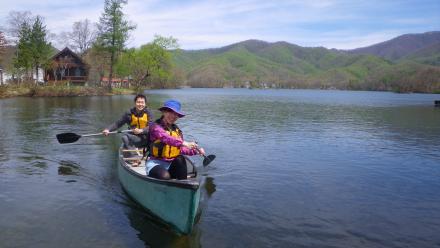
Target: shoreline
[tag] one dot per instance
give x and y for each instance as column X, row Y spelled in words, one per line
column 10, row 91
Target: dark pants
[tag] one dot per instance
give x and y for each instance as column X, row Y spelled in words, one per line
column 131, row 141
column 177, row 170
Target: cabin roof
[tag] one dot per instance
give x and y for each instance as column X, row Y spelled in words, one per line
column 67, row 50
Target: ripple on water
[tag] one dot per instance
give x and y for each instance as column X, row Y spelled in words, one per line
column 293, row 168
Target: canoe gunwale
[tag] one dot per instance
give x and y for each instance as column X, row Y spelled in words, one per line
column 193, row 184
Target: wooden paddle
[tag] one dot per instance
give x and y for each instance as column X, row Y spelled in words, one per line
column 64, row 138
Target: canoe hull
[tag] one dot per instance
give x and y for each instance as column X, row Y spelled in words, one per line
column 175, row 202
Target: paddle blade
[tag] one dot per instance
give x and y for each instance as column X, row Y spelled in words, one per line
column 208, row 159
column 67, row 137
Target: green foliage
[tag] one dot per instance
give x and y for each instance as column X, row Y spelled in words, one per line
column 166, row 43
column 113, row 31
column 9, row 90
column 24, row 48
column 261, row 64
column 3, row 44
column 429, row 55
column 40, row 47
column 33, row 48
column 98, row 60
column 151, row 63
column 402, row 46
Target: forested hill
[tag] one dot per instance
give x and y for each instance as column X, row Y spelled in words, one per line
column 401, row 46
column 262, row 64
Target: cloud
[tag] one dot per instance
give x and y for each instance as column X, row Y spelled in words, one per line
column 208, row 23
column 214, row 23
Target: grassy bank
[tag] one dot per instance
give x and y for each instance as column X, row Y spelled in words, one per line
column 53, row 91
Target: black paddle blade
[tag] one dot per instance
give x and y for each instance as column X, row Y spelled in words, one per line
column 67, row 137
column 208, row 159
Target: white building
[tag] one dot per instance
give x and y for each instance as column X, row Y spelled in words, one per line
column 6, row 78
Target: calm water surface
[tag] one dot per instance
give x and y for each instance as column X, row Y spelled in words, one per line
column 294, row 168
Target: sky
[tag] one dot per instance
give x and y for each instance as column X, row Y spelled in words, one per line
column 199, row 24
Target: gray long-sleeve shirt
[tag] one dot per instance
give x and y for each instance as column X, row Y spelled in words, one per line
column 126, row 119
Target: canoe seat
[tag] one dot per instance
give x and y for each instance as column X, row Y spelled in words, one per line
column 140, row 169
column 191, row 175
column 139, row 151
column 133, row 158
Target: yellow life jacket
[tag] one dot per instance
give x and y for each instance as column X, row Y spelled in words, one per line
column 162, row 150
column 140, row 121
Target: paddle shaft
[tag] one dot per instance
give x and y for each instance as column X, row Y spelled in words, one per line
column 64, row 138
column 97, row 134
column 198, row 151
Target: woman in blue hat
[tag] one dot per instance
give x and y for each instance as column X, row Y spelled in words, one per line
column 168, row 146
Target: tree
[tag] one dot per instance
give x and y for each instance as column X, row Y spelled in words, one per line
column 15, row 22
column 33, row 49
column 98, row 61
column 40, row 47
column 150, row 60
column 81, row 38
column 113, row 31
column 166, row 43
column 3, row 44
column 23, row 59
column 18, row 23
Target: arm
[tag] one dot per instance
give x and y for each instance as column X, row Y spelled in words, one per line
column 189, row 151
column 119, row 123
column 189, row 148
column 157, row 132
column 146, row 129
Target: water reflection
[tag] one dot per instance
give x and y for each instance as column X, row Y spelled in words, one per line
column 209, row 186
column 156, row 234
column 68, row 168
column 3, row 145
column 30, row 164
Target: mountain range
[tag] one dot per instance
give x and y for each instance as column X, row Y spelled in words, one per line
column 408, row 63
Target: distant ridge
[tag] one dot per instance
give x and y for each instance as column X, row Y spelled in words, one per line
column 408, row 63
column 400, row 46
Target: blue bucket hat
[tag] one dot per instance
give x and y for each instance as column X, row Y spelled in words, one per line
column 174, row 106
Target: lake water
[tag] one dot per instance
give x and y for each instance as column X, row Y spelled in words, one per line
column 294, row 168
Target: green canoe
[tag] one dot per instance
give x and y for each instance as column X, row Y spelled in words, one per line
column 175, row 202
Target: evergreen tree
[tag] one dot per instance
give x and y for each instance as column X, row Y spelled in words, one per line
column 23, row 59
column 33, row 49
column 40, row 47
column 3, row 44
column 113, row 31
